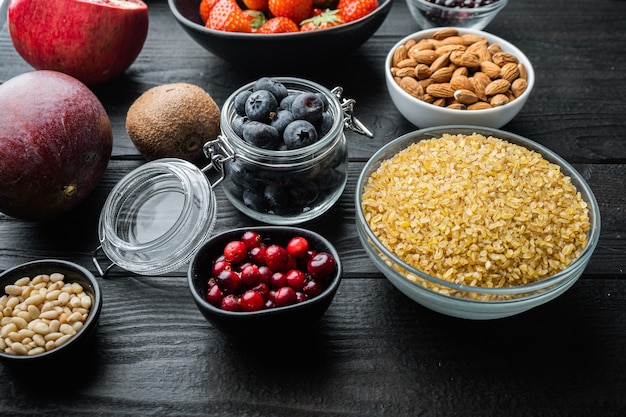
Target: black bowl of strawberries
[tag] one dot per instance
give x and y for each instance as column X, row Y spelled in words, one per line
column 261, row 38
column 262, row 279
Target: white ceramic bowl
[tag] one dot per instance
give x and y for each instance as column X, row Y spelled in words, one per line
column 473, row 302
column 429, row 15
column 423, row 114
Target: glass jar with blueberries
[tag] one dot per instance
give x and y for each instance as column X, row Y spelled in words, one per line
column 282, row 152
column 158, row 215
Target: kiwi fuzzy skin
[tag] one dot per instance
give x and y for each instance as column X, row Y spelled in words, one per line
column 173, row 121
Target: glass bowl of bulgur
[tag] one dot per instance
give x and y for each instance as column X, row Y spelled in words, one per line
column 475, row 222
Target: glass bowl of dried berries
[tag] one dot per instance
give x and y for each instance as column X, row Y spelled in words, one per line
column 261, row 279
column 474, row 14
column 448, row 76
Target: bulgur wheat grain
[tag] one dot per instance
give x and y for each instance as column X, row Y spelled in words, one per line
column 477, row 211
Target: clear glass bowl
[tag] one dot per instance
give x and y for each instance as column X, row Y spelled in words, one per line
column 431, row 15
column 306, row 182
column 464, row 301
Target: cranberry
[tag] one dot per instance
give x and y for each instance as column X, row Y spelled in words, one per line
column 279, row 279
column 321, row 265
column 300, row 297
column 219, row 266
column 230, row 303
column 298, row 246
column 250, row 275
column 265, row 274
column 313, row 288
column 257, row 255
column 235, row 251
column 228, row 281
column 296, row 279
column 251, row 239
column 214, row 295
column 262, row 289
column 285, row 296
column 276, row 258
column 251, row 301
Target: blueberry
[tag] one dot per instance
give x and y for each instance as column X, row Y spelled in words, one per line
column 254, row 200
column 276, row 195
column 276, row 88
column 240, row 176
column 238, row 123
column 303, row 193
column 307, row 106
column 260, row 104
column 281, row 120
column 324, row 100
column 299, row 134
column 285, row 104
column 325, row 124
column 240, row 102
column 261, row 135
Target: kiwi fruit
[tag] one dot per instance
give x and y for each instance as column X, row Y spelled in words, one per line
column 173, row 121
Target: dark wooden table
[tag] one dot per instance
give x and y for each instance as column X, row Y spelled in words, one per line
column 375, row 352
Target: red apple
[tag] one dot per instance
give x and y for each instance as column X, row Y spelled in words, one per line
column 91, row 40
column 55, row 144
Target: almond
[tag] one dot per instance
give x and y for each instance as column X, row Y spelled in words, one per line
column 403, row 72
column 412, row 86
column 499, row 100
column 518, row 87
column 461, row 82
column 501, row 58
column 479, row 105
column 457, row 106
column 407, row 62
column 446, row 49
column 445, row 33
column 442, row 75
column 490, row 69
column 497, row 87
column 422, row 71
column 399, row 55
column 523, row 73
column 426, row 56
column 470, row 38
column 453, row 40
column 441, row 62
column 509, row 72
column 442, row 90
column 464, row 96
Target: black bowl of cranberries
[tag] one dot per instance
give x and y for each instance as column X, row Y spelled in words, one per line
column 264, row 278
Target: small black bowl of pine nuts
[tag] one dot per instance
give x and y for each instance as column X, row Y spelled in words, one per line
column 47, row 308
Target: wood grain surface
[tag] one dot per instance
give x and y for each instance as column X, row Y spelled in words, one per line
column 375, row 352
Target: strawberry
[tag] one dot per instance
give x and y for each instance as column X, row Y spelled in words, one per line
column 356, row 9
column 205, row 9
column 256, row 4
column 296, row 10
column 256, row 17
column 326, row 19
column 279, row 25
column 226, row 15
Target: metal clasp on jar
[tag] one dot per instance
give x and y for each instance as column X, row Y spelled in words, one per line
column 349, row 121
column 218, row 151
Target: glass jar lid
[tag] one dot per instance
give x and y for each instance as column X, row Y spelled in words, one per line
column 156, row 217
